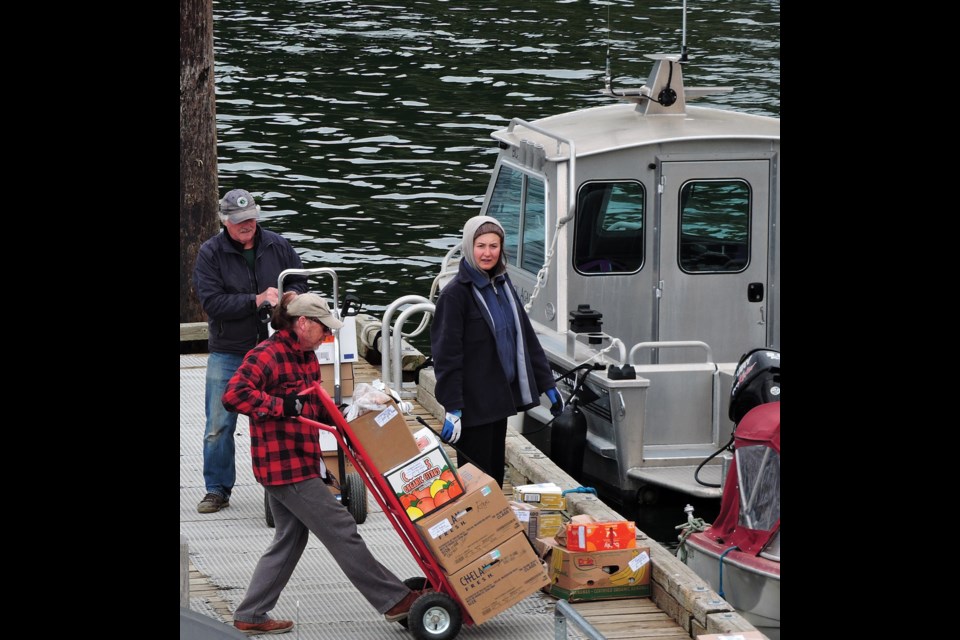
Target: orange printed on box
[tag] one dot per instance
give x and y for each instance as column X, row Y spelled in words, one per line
column 601, row 536
column 425, row 483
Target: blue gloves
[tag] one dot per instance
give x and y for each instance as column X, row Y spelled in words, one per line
column 556, row 408
column 451, row 427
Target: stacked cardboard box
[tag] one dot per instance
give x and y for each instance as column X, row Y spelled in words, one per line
column 346, row 379
column 384, row 436
column 537, row 522
column 481, row 548
column 540, row 506
column 425, row 482
column 622, row 572
column 546, row 495
column 348, row 343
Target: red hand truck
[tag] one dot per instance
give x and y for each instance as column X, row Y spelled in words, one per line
column 437, row 614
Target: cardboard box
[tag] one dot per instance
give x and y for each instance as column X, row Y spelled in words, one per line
column 425, row 481
column 598, row 575
column 581, row 518
column 346, row 379
column 385, row 437
column 499, row 579
column 474, row 523
column 536, row 522
column 601, row 536
column 426, row 439
column 545, row 495
column 348, row 343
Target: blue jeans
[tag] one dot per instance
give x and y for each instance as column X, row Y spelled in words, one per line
column 219, row 447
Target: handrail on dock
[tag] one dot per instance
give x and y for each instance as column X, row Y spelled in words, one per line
column 391, row 373
column 565, row 610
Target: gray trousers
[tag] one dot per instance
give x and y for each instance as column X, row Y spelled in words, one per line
column 299, row 509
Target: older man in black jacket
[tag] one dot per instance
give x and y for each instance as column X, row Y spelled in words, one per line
column 236, row 272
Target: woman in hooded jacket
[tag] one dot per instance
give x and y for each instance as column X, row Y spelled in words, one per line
column 487, row 359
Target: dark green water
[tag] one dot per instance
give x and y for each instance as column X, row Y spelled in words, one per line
column 364, row 129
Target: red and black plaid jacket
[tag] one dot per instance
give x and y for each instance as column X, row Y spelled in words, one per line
column 284, row 450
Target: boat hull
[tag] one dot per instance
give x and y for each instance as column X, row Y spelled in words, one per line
column 750, row 584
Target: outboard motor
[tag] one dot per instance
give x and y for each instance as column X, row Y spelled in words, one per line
column 756, row 382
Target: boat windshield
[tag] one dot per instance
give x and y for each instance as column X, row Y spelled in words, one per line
column 758, row 470
column 519, row 204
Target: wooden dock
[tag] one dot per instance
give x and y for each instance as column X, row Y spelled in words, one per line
column 681, row 606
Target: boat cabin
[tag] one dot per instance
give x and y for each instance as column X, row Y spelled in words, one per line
column 659, row 223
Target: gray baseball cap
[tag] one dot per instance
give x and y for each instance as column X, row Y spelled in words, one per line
column 238, row 205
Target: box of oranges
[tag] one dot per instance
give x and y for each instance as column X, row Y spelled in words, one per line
column 425, row 482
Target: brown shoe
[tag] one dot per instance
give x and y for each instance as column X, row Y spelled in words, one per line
column 212, row 503
column 263, row 628
column 400, row 610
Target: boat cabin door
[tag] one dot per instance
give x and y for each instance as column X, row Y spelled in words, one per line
column 713, row 248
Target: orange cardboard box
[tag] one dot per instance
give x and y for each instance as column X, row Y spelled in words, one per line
column 425, row 482
column 601, row 536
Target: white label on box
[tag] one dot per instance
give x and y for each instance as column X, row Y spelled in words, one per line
column 416, row 468
column 582, row 537
column 531, row 497
column 641, row 559
column 522, row 516
column 485, row 491
column 386, row 416
column 328, row 441
column 440, row 528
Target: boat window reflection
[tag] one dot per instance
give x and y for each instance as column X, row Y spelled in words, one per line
column 534, row 234
column 609, row 233
column 714, row 226
column 758, row 472
column 519, row 203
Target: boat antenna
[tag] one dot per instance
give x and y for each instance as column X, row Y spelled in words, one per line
column 608, row 78
column 683, row 31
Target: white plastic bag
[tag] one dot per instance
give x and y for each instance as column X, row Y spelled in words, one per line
column 366, row 398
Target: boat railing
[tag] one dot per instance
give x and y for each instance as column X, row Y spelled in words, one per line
column 678, row 344
column 565, row 610
column 392, row 337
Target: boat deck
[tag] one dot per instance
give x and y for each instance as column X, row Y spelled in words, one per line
column 224, row 548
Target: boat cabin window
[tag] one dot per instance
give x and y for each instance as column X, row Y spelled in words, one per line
column 714, row 226
column 609, row 232
column 518, row 202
